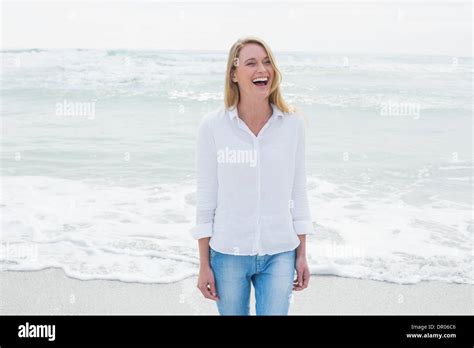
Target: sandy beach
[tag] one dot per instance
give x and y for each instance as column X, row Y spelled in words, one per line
column 50, row 291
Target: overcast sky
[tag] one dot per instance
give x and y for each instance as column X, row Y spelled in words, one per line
column 440, row 27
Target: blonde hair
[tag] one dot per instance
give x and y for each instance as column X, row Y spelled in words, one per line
column 232, row 94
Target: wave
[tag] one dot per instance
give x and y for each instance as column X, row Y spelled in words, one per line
column 94, row 230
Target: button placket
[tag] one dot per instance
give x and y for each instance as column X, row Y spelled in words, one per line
column 257, row 236
column 256, row 146
column 259, row 181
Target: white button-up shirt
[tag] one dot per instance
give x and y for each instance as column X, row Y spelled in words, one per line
column 251, row 196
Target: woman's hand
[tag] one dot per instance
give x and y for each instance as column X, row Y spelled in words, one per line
column 206, row 283
column 302, row 274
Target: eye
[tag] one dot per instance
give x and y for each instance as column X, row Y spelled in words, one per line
column 267, row 62
column 251, row 63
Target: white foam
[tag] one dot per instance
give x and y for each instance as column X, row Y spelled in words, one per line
column 98, row 231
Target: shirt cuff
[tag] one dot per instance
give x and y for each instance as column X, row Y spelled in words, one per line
column 303, row 227
column 201, row 231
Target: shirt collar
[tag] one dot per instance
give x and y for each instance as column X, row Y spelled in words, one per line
column 276, row 111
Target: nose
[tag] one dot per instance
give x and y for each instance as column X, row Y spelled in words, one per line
column 261, row 68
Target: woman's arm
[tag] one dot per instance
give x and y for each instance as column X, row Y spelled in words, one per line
column 206, row 282
column 301, row 213
column 203, row 245
column 302, row 269
column 206, row 182
column 206, row 202
column 302, row 221
column 301, row 250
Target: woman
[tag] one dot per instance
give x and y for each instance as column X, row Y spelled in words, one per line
column 252, row 212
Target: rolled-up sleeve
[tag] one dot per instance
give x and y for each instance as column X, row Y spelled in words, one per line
column 206, row 182
column 302, row 221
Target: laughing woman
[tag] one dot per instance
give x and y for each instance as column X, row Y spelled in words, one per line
column 252, row 211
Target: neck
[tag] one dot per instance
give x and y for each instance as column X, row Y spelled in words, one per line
column 254, row 111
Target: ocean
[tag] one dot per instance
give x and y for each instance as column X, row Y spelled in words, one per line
column 97, row 151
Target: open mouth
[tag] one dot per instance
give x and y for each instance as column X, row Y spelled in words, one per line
column 260, row 81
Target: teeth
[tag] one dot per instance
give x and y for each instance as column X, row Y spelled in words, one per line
column 260, row 79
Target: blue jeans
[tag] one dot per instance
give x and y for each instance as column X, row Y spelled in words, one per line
column 271, row 275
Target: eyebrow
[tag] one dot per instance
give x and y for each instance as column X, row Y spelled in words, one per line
column 254, row 59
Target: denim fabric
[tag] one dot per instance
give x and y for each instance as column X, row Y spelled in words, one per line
column 271, row 275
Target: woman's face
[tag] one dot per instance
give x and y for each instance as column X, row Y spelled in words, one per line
column 254, row 72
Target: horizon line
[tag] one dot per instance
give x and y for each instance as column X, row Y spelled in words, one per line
column 2, row 49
